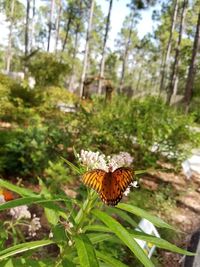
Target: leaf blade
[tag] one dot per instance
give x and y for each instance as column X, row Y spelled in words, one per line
column 23, row 247
column 86, row 253
column 143, row 214
column 124, row 236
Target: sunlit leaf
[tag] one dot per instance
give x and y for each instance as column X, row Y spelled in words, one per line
column 143, row 214
column 110, row 260
column 23, row 247
column 17, row 189
column 86, row 252
column 124, row 236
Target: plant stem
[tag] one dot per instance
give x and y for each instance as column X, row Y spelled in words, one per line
column 87, row 206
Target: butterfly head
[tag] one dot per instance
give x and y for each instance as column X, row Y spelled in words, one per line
column 110, row 168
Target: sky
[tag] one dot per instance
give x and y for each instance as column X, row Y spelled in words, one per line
column 119, row 12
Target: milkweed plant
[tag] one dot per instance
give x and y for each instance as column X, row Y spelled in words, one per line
column 77, row 227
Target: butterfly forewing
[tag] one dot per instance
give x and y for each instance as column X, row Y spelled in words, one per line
column 94, row 179
column 123, row 176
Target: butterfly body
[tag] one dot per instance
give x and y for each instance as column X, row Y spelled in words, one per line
column 110, row 185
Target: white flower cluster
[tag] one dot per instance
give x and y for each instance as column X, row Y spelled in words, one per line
column 34, row 226
column 20, row 212
column 119, row 160
column 128, row 190
column 95, row 160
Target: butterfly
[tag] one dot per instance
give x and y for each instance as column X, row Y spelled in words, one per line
column 110, row 185
column 6, row 194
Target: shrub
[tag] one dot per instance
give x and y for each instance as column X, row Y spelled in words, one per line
column 25, row 151
column 44, row 75
column 147, row 128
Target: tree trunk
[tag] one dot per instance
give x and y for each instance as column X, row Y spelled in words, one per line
column 192, row 68
column 10, row 37
column 104, row 48
column 32, row 28
column 58, row 25
column 73, row 58
column 27, row 28
column 67, row 32
column 126, row 54
column 138, row 81
column 164, row 68
column 174, row 76
column 85, row 62
column 50, row 25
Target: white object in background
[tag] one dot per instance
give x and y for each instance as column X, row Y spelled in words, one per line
column 186, row 169
column 191, row 165
column 148, row 228
column 31, row 82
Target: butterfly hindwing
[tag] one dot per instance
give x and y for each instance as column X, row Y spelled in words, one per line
column 110, row 192
column 94, row 179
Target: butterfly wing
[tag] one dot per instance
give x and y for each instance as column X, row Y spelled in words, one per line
column 94, row 179
column 123, row 177
column 8, row 195
column 114, row 185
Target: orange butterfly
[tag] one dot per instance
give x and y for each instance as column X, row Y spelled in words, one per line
column 110, row 185
column 6, row 194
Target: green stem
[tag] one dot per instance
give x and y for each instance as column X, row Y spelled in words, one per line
column 87, row 206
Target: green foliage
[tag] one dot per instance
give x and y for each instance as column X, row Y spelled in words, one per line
column 135, row 126
column 40, row 132
column 25, row 152
column 82, row 229
column 45, row 76
column 22, row 95
column 56, row 175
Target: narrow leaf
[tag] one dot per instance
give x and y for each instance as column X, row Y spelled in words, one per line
column 17, row 189
column 86, row 252
column 110, row 260
column 124, row 236
column 97, row 237
column 143, row 214
column 72, row 166
column 97, row 228
column 122, row 215
column 159, row 242
column 34, row 200
column 23, row 247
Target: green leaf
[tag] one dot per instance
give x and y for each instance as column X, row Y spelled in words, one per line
column 159, row 242
column 67, row 263
column 97, row 228
column 123, row 215
column 98, row 237
column 7, row 263
column 52, row 216
column 86, row 253
column 35, row 200
column 23, row 247
column 143, row 214
column 59, row 233
column 27, row 262
column 19, row 190
column 72, row 166
column 124, row 236
column 110, row 260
